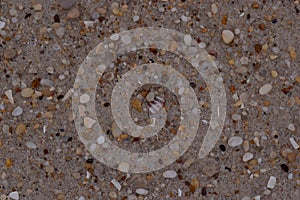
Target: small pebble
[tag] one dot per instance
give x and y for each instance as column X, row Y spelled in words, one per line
column 227, row 36
column 290, row 176
column 88, row 122
column 101, row 139
column 132, row 197
column 27, row 92
column 214, row 8
column 17, row 111
column 136, row 18
column 14, row 195
column 123, row 167
column 284, row 167
column 2, row 25
column 236, row 117
column 37, row 7
column 8, row 93
column 84, row 98
column 235, row 141
column 187, row 39
column 271, row 182
column 31, row 145
column 116, row 131
column 247, row 156
column 67, row 4
column 291, row 127
column 73, row 14
column 10, row 53
column 141, row 191
column 21, row 128
column 294, row 143
column 170, row 174
column 265, row 89
column 116, row 184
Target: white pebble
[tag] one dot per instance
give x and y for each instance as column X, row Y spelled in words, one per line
column 136, row 18
column 2, row 25
column 187, row 39
column 291, row 127
column 170, row 174
column 265, row 89
column 236, row 117
column 257, row 197
column 84, row 98
column 8, row 93
column 88, row 122
column 31, row 145
column 116, row 184
column 227, row 36
column 202, row 45
column 235, row 141
column 214, row 8
column 14, row 195
column 126, row 39
column 294, row 143
column 290, row 176
column 271, row 182
column 141, row 191
column 114, row 37
column 17, row 111
column 247, row 156
column 101, row 139
column 81, row 198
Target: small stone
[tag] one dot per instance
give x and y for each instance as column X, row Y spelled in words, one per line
column 291, row 127
column 265, row 89
column 17, row 111
column 290, row 176
column 101, row 139
column 136, row 18
column 67, row 4
column 116, row 131
column 8, row 163
column 73, row 14
column 271, row 182
column 14, row 195
column 81, row 198
column 267, row 192
column 113, row 195
column 88, row 122
column 247, row 156
column 236, row 117
column 126, row 39
column 274, row 73
column 60, row 32
column 37, row 7
column 84, row 98
column 31, row 145
column 21, row 128
column 61, row 196
column 188, row 163
column 227, row 36
column 293, row 54
column 10, row 53
column 116, row 184
column 8, row 93
column 141, row 191
column 187, row 39
column 170, row 174
column 49, row 169
column 284, row 167
column 214, row 8
column 244, row 60
column 291, row 157
column 123, row 167
column 235, row 141
column 27, row 92
column 294, row 143
column 2, row 25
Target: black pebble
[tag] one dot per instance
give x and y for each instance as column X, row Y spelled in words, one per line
column 284, row 167
column 222, row 147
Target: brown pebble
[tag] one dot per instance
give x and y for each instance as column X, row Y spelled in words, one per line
column 262, row 26
column 73, row 14
column 10, row 53
column 257, row 48
column 291, row 157
column 255, row 5
column 8, row 162
column 21, row 128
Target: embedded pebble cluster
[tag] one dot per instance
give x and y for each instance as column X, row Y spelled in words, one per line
column 255, row 48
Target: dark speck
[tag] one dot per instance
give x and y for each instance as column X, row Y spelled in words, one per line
column 284, row 167
column 274, row 21
column 90, row 160
column 222, row 147
column 27, row 15
column 56, row 18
